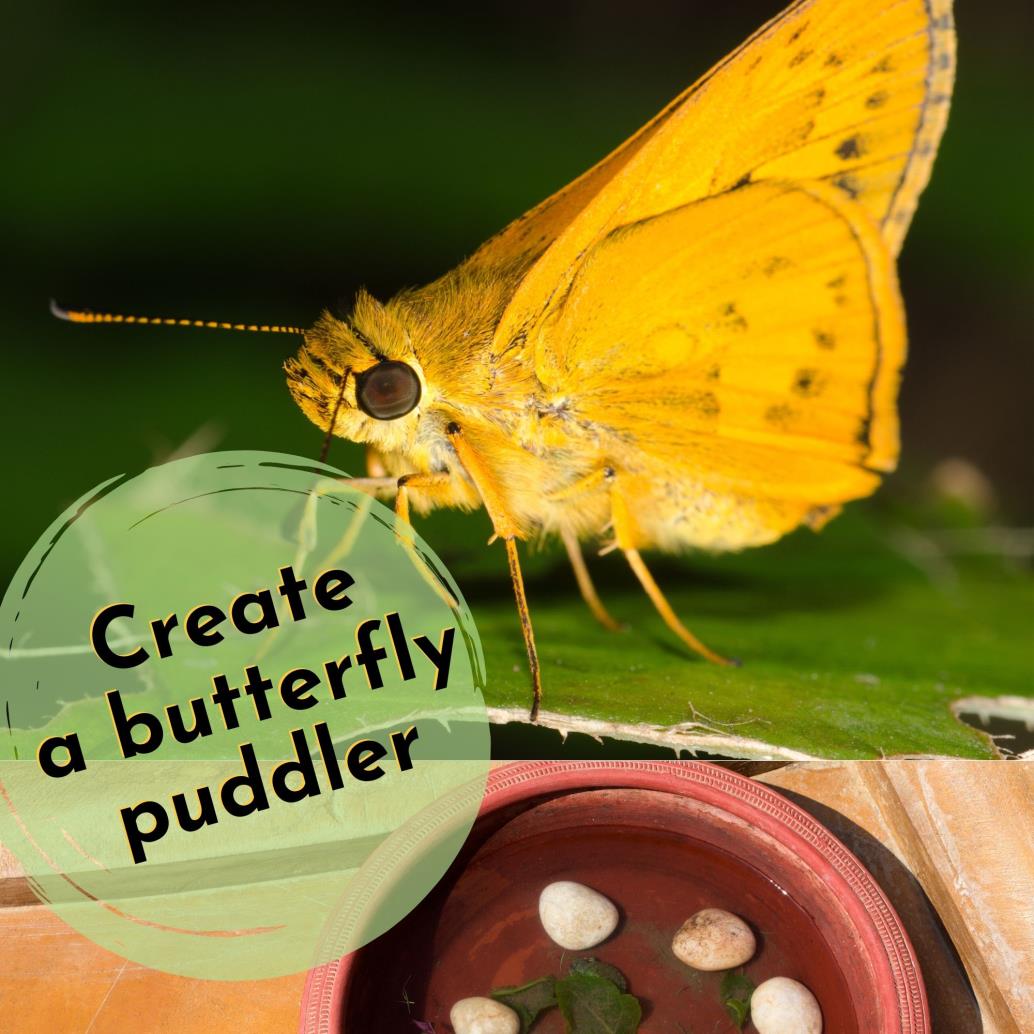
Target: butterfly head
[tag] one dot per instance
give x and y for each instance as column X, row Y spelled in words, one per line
column 359, row 377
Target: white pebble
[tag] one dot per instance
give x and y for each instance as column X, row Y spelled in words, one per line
column 784, row 1006
column 575, row 916
column 483, row 1016
column 714, row 939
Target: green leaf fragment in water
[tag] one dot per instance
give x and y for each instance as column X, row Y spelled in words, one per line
column 594, row 967
column 736, row 990
column 591, row 1004
column 528, row 1000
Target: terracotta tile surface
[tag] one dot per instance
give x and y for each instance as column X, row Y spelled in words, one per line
column 55, row 981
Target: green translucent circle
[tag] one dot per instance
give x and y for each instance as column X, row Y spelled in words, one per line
column 330, row 861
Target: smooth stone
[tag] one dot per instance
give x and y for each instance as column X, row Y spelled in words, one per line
column 575, row 916
column 784, row 1006
column 483, row 1016
column 714, row 939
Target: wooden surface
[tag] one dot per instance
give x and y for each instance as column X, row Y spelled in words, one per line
column 952, row 845
column 949, row 841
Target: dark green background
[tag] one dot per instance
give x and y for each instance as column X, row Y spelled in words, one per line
column 252, row 163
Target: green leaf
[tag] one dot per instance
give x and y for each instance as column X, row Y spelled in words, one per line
column 593, row 966
column 591, row 1004
column 529, row 999
column 851, row 648
column 736, row 989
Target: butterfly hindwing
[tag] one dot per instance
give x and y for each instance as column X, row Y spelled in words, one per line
column 751, row 342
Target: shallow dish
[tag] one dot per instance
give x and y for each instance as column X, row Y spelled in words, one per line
column 661, row 839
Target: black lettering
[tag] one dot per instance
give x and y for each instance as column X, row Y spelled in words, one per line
column 98, row 631
column 295, row 686
column 135, row 835
column 250, row 780
column 400, row 646
column 362, row 760
column 257, row 687
column 125, row 724
column 200, row 623
column 330, row 590
column 401, row 743
column 56, row 769
column 330, row 761
column 335, row 671
column 160, row 631
column 441, row 657
column 302, row 764
column 291, row 588
column 367, row 655
column 223, row 698
column 207, row 815
column 201, row 727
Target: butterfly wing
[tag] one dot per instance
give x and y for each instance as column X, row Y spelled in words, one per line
column 850, row 93
column 748, row 344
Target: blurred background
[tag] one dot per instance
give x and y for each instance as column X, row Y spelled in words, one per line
column 249, row 163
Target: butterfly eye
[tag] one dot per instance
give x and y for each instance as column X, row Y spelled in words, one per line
column 388, row 390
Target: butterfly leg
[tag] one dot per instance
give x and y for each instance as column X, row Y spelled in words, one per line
column 585, row 586
column 307, row 525
column 425, row 483
column 422, row 483
column 626, row 541
column 371, row 486
column 506, row 529
column 574, row 552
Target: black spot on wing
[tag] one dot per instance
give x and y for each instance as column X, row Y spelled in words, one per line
column 850, row 185
column 852, row 147
column 743, row 181
column 808, row 383
column 816, row 97
column 797, row 33
column 836, row 286
column 824, row 339
column 779, row 414
column 713, row 372
column 705, row 403
column 877, row 99
column 732, row 318
column 885, row 64
column 861, row 436
column 775, row 264
column 833, row 61
column 800, row 57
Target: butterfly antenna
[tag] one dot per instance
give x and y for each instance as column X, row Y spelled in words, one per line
column 325, row 451
column 86, row 316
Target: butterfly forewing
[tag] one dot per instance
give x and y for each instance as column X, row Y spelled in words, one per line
column 851, row 93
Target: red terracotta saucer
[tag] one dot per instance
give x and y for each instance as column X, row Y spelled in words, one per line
column 661, row 840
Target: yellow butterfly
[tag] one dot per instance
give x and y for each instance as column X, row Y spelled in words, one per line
column 697, row 343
